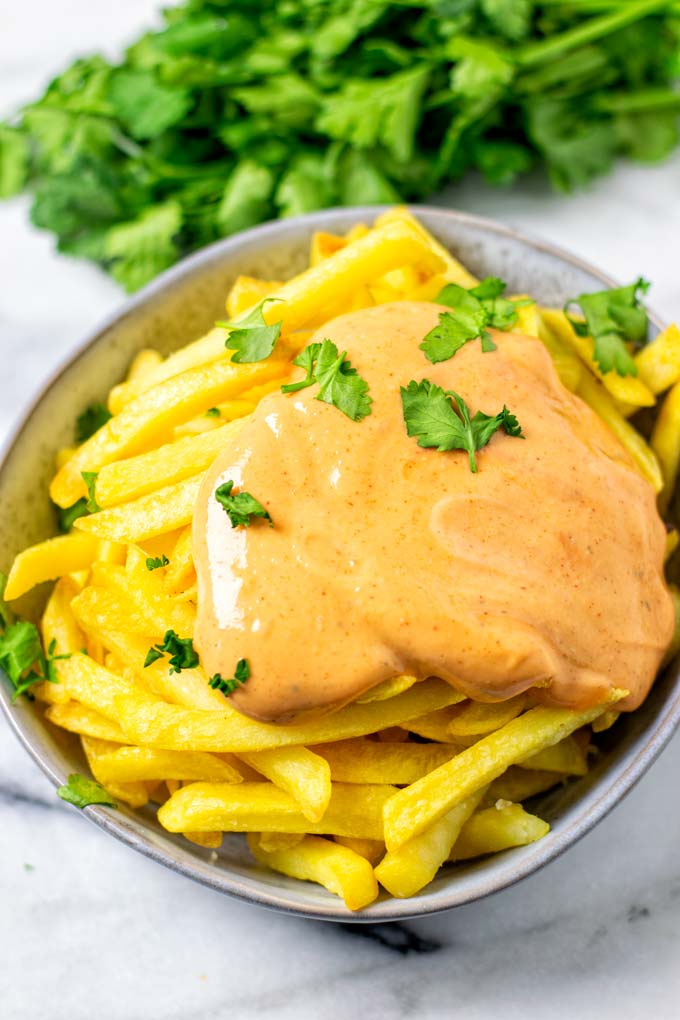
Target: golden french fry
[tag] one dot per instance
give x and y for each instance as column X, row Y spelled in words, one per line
column 518, row 784
column 497, row 828
column 263, row 807
column 528, row 319
column 387, row 689
column 61, row 631
column 125, row 480
column 405, row 871
column 77, row 718
column 161, row 511
column 370, row 761
column 658, row 363
column 180, row 572
column 111, row 612
column 435, row 725
column 132, row 764
column 410, row 811
column 568, row 365
column 665, row 443
column 84, row 680
column 371, row 849
column 134, row 794
column 49, row 560
column 475, row 719
column 453, row 270
column 143, row 364
column 567, row 758
column 335, row 867
column 144, row 591
column 605, row 722
column 246, row 292
column 270, row 841
column 229, row 412
column 146, row 421
column 629, row 389
column 323, row 245
column 208, row 840
column 149, row 721
column 593, row 393
column 301, row 773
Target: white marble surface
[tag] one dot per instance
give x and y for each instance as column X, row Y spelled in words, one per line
column 89, row 929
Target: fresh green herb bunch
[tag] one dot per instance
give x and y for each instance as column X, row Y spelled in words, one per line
column 237, row 111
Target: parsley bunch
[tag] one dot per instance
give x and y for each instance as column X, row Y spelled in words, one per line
column 238, row 111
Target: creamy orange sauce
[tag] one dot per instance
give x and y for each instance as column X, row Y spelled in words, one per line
column 545, row 568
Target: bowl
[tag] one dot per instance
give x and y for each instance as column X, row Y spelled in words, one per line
column 177, row 307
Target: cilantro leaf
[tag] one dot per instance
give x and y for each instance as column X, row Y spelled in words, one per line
column 180, row 650
column 612, row 317
column 473, row 310
column 441, row 419
column 90, row 421
column 339, row 383
column 240, row 507
column 250, row 337
column 21, row 652
column 241, row 674
column 69, row 514
column 213, row 412
column 90, row 479
column 155, row 562
column 81, row 792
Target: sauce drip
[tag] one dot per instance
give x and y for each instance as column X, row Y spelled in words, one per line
column 545, row 568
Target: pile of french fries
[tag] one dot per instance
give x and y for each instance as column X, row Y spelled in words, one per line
column 386, row 790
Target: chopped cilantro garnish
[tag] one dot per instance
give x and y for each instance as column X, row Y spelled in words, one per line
column 90, row 479
column 181, row 651
column 213, row 412
column 441, row 419
column 68, row 515
column 612, row 317
column 21, row 652
column 473, row 311
column 241, row 674
column 251, row 338
column 154, row 562
column 90, row 421
column 339, row 383
column 240, row 507
column 82, row 792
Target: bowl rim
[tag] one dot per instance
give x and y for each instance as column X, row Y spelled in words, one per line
column 494, row 874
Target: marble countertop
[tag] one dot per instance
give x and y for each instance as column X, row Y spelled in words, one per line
column 90, row 929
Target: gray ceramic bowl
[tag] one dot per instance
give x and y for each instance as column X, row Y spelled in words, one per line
column 176, row 308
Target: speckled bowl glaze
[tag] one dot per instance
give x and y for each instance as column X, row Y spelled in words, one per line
column 176, row 308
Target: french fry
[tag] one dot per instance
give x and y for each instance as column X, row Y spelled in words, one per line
column 207, row 840
column 155, row 514
column 125, row 480
column 180, row 572
column 528, row 319
column 410, row 811
column 271, row 841
column 60, row 629
column 518, row 784
column 246, row 292
column 132, row 764
column 301, row 773
column 134, row 794
column 335, row 867
column 567, row 758
column 405, row 871
column 497, row 828
column 149, row 721
column 49, row 560
column 605, row 722
column 370, row 761
column 323, row 245
column 146, row 421
column 110, row 611
column 84, row 680
column 387, row 689
column 144, row 591
column 371, row 849
column 77, row 718
column 258, row 807
column 628, row 389
column 665, row 443
column 453, row 270
column 646, row 459
column 475, row 719
column 143, row 364
column 658, row 363
column 435, row 725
